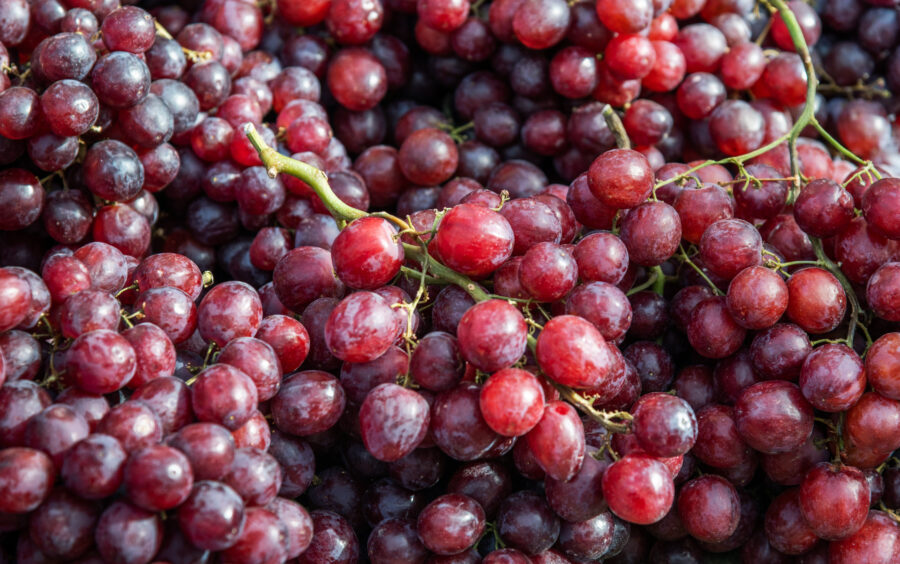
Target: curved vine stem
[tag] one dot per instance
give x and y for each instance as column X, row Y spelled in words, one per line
column 845, row 284
column 276, row 163
column 614, row 123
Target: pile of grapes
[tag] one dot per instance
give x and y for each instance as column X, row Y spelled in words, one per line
column 449, row 281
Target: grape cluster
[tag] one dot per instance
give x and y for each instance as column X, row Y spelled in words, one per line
column 449, row 282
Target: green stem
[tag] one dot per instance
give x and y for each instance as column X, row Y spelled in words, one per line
column 276, row 163
column 413, row 273
column 660, row 284
column 836, row 144
column 444, row 273
column 607, row 419
column 829, row 265
column 656, row 275
column 687, row 260
column 614, row 122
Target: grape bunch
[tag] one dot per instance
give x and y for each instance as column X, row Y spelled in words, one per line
column 449, row 281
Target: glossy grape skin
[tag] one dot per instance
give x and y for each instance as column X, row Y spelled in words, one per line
column 67, row 216
column 539, row 24
column 512, row 402
column 22, row 198
column 443, row 16
column 823, row 208
column 785, row 527
column 229, row 310
column 357, row 79
column 816, row 300
column 651, row 233
column 393, row 421
column 93, row 468
column 581, row 497
column 26, row 476
column 21, row 356
column 297, row 463
column 169, row 398
column 361, row 328
column 255, row 475
column 133, row 423
column 181, row 101
column 261, row 540
column 873, row 423
column 225, row 395
column 54, row 430
column 208, row 447
column 709, row 507
column 487, row 482
column 779, row 352
column 700, row 208
column 169, row 269
column 882, row 365
column 492, row 335
column 365, row 254
column 333, row 540
column 287, row 337
column 171, row 310
column 882, row 291
column 773, row 416
column 450, row 524
column 20, row 115
column 757, row 298
column 458, row 426
column 418, row 470
column 126, row 533
column 879, row 205
column 62, row 527
column 572, row 352
column 302, row 275
column 70, row 107
column 783, row 233
column 728, row 246
column 620, row 178
column 548, row 272
column 122, row 227
column 712, row 331
column 809, row 23
column 526, row 523
column 298, row 522
column 627, row 57
column 101, row 361
column 664, row 425
column 88, row 310
column 395, row 540
column 718, row 443
column 212, row 517
column 601, row 257
column 638, row 473
column 308, row 402
column 861, row 251
column 106, row 265
column 158, row 478
column 532, row 222
column 557, row 441
column 832, row 378
column 120, row 79
column 878, row 531
column 15, row 299
column 834, row 500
